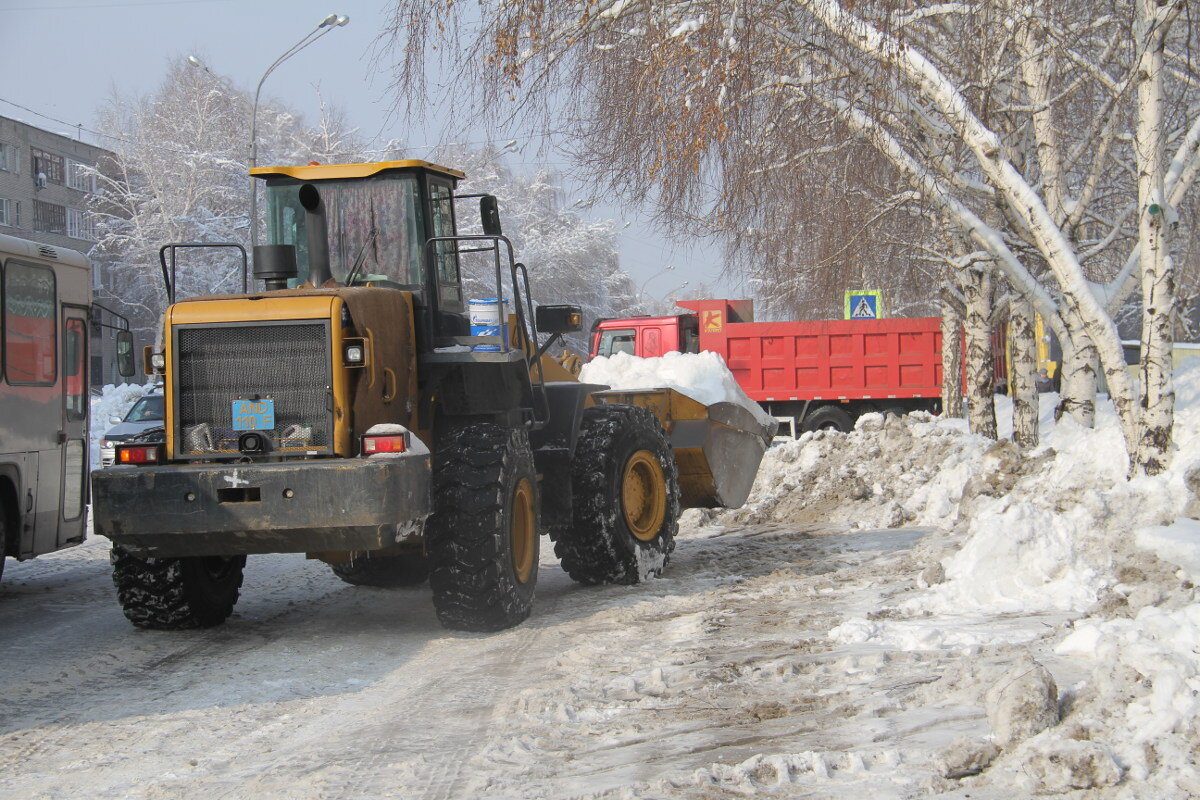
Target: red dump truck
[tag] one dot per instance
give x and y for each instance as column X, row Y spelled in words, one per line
column 809, row 375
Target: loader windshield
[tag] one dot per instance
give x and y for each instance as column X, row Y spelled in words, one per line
column 388, row 204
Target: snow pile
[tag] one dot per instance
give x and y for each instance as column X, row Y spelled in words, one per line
column 701, row 376
column 113, row 401
column 1049, row 544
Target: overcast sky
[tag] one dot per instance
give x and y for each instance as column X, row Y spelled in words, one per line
column 62, row 58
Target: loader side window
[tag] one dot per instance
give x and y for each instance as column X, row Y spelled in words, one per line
column 617, row 341
column 449, row 283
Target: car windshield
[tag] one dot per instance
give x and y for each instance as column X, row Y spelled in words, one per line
column 148, row 409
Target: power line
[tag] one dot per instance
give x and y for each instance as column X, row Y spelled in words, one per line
column 119, row 5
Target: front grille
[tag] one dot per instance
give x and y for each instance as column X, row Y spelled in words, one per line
column 218, row 364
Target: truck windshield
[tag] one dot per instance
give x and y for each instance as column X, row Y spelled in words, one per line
column 389, row 205
column 617, row 341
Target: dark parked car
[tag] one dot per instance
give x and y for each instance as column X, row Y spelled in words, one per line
column 146, row 414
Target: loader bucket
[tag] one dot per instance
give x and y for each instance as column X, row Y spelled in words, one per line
column 718, row 448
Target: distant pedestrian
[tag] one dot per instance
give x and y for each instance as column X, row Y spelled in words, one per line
column 1043, row 382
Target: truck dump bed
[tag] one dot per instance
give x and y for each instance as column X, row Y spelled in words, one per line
column 827, row 359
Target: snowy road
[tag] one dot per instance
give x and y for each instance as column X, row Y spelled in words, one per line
column 315, row 689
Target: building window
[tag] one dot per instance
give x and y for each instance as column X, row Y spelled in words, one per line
column 80, row 225
column 10, row 213
column 10, row 158
column 79, row 176
column 30, row 343
column 47, row 166
column 49, row 217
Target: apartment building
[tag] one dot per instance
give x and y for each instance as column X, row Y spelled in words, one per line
column 45, row 186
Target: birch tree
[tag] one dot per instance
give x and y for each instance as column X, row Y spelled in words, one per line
column 1038, row 129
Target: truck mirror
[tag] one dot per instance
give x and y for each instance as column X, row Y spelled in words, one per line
column 124, row 353
column 558, row 319
column 489, row 213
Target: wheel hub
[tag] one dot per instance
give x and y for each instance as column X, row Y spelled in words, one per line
column 522, row 531
column 644, row 495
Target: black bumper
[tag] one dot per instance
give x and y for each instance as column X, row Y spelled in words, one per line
column 292, row 507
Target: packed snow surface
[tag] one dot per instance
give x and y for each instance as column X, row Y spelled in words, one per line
column 906, row 610
column 701, row 376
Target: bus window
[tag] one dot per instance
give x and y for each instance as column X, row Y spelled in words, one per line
column 617, row 341
column 75, row 348
column 30, row 344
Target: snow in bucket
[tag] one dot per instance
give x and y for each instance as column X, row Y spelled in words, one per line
column 486, row 320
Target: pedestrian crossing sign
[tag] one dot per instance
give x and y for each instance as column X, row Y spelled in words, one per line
column 863, row 305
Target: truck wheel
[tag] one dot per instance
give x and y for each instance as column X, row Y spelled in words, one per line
column 176, row 593
column 482, row 539
column 626, row 499
column 410, row 569
column 829, row 418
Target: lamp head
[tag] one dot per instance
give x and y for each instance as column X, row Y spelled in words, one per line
column 330, row 20
column 342, row 21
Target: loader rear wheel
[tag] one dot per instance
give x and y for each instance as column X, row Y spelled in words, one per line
column 364, row 569
column 176, row 593
column 626, row 499
column 482, row 538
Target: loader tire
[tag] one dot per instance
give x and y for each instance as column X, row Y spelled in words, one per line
column 625, row 486
column 176, row 593
column 482, row 539
column 384, row 571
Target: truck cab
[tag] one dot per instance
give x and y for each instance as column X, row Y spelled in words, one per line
column 646, row 337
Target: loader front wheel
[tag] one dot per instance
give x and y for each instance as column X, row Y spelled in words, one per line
column 482, row 540
column 625, row 488
column 176, row 593
column 386, row 571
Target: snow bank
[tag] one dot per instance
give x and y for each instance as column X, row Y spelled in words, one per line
column 113, row 401
column 1037, row 539
column 701, row 376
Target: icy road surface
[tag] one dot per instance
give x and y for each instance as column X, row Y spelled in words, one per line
column 316, row 689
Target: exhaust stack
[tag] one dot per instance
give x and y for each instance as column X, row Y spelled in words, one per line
column 319, row 272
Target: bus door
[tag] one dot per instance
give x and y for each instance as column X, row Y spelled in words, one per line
column 75, row 425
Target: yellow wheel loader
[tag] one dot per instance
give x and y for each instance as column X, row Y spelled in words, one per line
column 349, row 410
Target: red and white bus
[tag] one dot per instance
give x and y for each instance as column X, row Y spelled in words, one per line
column 45, row 302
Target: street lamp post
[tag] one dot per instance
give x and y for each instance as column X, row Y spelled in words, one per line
column 645, row 283
column 326, row 25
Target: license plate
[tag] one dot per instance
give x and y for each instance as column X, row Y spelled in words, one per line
column 253, row 415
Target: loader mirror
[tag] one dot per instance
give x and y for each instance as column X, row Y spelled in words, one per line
column 558, row 319
column 124, row 353
column 489, row 213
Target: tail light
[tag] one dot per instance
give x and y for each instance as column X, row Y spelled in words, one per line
column 373, row 445
column 139, row 454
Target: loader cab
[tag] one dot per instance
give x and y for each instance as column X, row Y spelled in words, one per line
column 379, row 217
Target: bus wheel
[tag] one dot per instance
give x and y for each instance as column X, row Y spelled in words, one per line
column 829, row 418
column 176, row 593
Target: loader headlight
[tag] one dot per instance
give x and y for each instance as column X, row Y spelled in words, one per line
column 354, row 352
column 251, row 443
